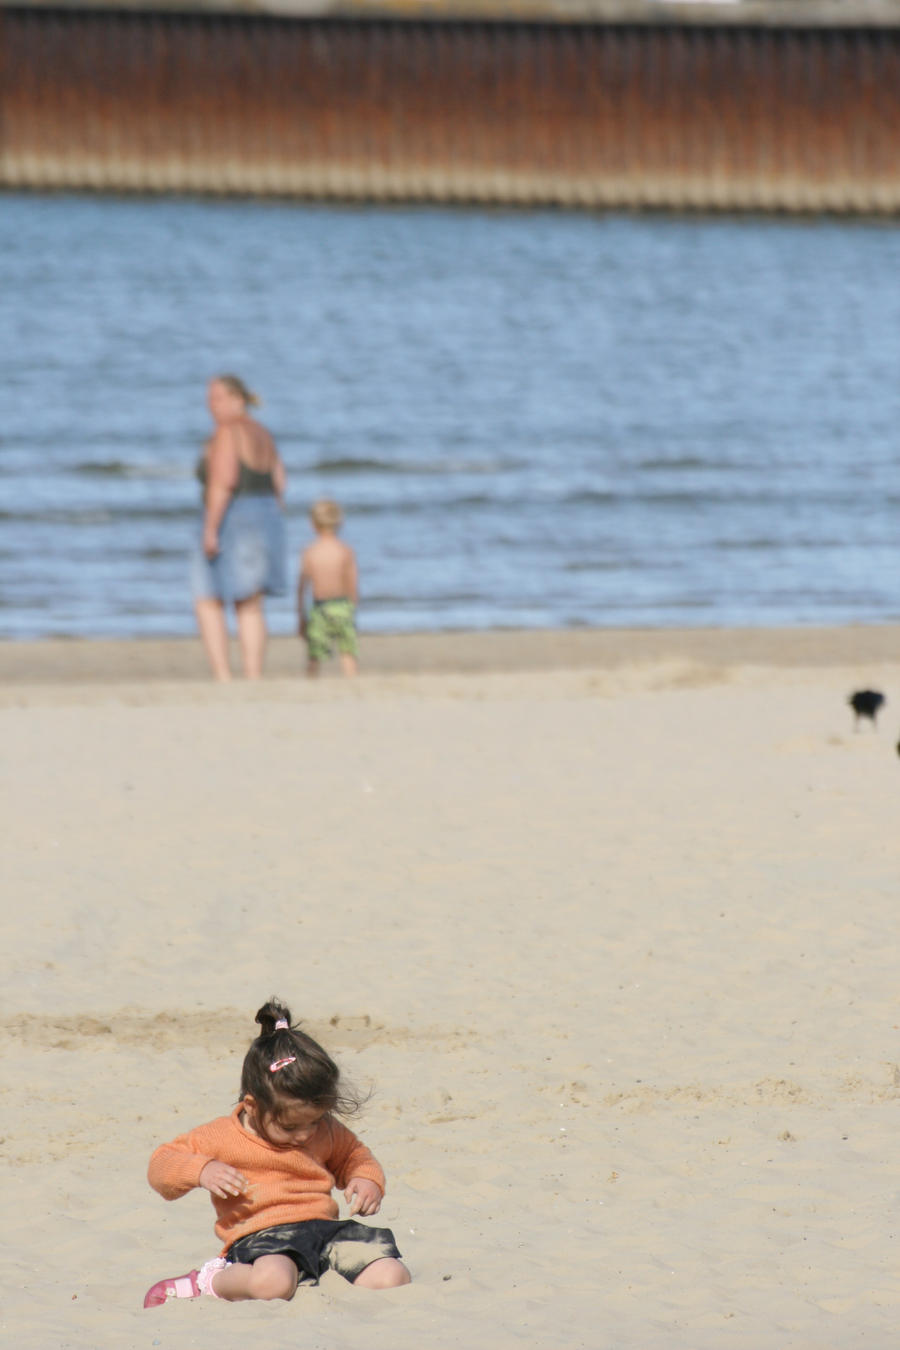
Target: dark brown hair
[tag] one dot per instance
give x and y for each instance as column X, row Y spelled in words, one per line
column 305, row 1072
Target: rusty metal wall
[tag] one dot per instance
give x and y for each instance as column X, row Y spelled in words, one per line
column 589, row 115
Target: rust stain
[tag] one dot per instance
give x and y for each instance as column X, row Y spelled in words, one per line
column 594, row 115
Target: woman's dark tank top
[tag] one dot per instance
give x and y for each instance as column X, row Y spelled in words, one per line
column 250, row 483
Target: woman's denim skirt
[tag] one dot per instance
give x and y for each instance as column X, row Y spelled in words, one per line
column 251, row 557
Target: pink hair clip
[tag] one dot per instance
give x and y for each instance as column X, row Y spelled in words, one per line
column 281, row 1063
column 282, row 1025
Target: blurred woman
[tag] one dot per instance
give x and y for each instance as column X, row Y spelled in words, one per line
column 240, row 556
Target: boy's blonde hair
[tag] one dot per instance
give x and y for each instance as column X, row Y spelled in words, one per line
column 326, row 515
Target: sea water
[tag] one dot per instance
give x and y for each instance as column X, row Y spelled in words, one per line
column 531, row 418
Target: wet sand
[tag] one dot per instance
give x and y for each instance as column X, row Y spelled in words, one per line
column 512, row 650
column 608, row 919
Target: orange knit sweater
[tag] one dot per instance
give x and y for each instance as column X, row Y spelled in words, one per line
column 285, row 1185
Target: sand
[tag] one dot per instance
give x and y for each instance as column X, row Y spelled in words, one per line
column 610, row 927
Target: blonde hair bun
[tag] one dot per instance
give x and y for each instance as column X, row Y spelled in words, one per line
column 235, row 385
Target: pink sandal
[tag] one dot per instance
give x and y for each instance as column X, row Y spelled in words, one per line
column 183, row 1286
column 192, row 1285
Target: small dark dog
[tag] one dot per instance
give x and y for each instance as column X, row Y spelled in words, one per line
column 866, row 703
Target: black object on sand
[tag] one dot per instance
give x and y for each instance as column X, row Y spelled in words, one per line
column 866, row 703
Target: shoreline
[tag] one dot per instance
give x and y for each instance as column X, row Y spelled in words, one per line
column 111, row 661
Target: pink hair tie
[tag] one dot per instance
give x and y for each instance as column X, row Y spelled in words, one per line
column 282, row 1025
column 281, row 1063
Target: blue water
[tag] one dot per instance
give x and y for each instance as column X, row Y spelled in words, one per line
column 530, row 418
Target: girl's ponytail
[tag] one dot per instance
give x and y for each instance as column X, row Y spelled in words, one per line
column 284, row 1062
column 270, row 1015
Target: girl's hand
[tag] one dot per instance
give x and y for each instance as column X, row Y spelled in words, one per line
column 222, row 1180
column 363, row 1196
column 210, row 543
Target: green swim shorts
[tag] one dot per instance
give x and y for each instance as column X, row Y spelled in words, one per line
column 331, row 623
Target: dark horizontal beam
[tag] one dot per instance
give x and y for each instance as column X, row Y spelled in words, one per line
column 589, row 115
column 802, row 14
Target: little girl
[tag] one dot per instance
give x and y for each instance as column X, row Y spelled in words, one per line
column 270, row 1168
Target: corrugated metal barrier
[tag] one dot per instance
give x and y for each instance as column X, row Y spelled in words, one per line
column 590, row 115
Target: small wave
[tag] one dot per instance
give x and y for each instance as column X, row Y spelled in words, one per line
column 154, row 554
column 355, row 510
column 592, row 497
column 95, row 516
column 592, row 565
column 434, row 598
column 763, row 544
column 671, row 497
column 118, row 468
column 364, row 464
column 351, row 465
column 759, row 544
column 687, row 496
column 681, row 462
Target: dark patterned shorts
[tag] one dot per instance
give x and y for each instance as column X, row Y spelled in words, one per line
column 317, row 1245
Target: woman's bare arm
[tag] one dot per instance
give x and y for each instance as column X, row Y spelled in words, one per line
column 222, row 476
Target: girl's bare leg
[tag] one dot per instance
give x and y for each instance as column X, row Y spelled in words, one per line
column 348, row 663
column 268, row 1277
column 214, row 635
column 251, row 621
column 386, row 1273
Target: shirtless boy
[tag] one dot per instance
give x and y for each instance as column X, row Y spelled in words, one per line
column 328, row 572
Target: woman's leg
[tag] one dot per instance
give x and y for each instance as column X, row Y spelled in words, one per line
column 268, row 1277
column 214, row 635
column 385, row 1273
column 251, row 621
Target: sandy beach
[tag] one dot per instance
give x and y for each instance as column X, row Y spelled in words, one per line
column 608, row 920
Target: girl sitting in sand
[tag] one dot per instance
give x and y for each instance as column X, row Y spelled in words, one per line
column 270, row 1168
